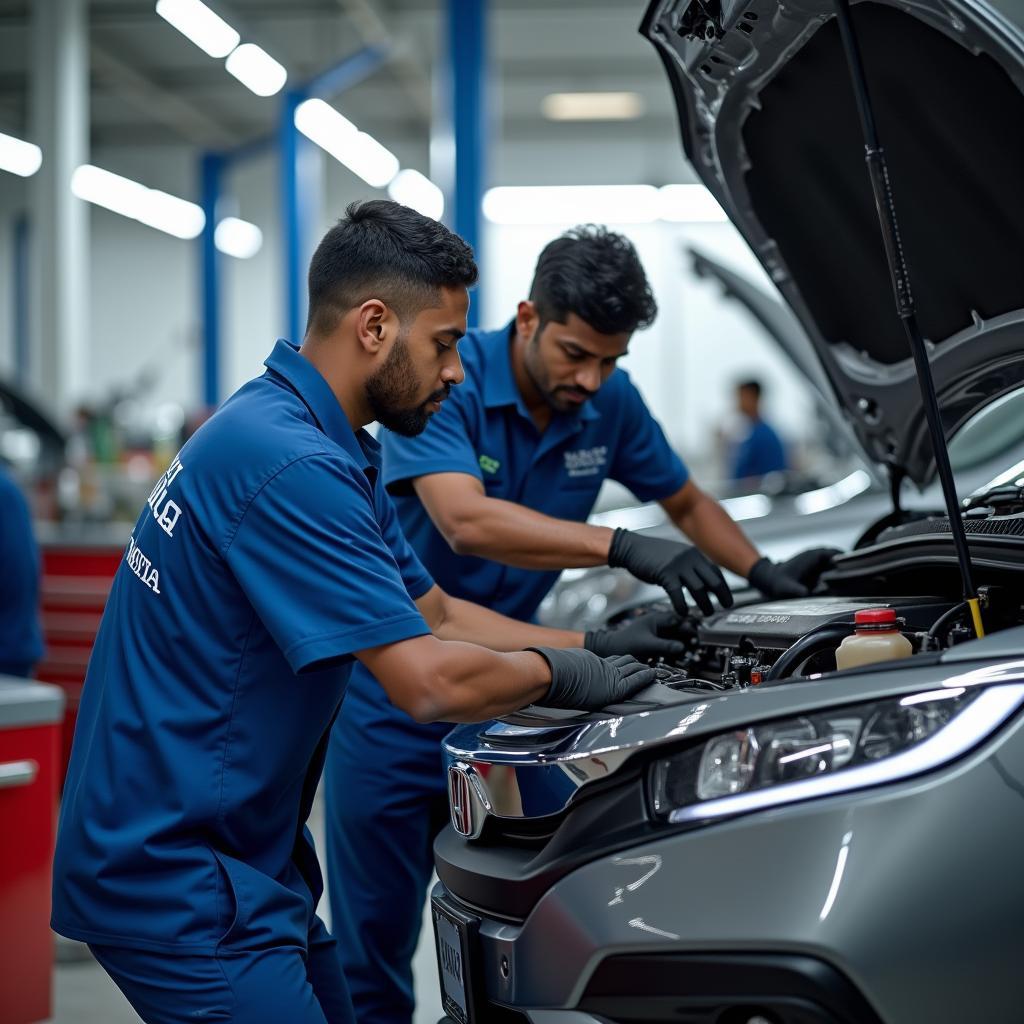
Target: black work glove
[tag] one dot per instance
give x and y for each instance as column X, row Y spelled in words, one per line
column 647, row 636
column 673, row 565
column 585, row 682
column 796, row 577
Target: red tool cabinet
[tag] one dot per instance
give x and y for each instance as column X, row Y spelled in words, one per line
column 31, row 715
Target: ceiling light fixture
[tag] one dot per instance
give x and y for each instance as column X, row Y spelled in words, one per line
column 19, row 157
column 572, row 204
column 336, row 134
column 149, row 206
column 160, row 210
column 194, row 20
column 238, row 238
column 413, row 189
column 689, row 204
column 615, row 204
column 256, row 69
column 592, row 106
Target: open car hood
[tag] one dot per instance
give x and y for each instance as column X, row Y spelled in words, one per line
column 769, row 123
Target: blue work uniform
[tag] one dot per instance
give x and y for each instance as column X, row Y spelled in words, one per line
column 759, row 453
column 265, row 556
column 21, row 639
column 380, row 831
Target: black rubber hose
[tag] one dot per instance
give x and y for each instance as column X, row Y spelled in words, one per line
column 946, row 619
column 823, row 638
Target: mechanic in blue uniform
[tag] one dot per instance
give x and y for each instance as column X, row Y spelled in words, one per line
column 21, row 639
column 493, row 496
column 267, row 561
column 760, row 450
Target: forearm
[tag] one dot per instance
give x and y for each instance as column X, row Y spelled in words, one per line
column 711, row 528
column 515, row 535
column 464, row 620
column 449, row 681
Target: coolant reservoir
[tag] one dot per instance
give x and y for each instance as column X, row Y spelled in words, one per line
column 876, row 638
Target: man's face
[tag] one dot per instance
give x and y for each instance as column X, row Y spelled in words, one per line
column 421, row 366
column 747, row 402
column 568, row 362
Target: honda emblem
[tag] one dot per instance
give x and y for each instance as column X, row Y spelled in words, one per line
column 464, row 802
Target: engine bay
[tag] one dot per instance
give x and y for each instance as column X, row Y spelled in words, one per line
column 904, row 562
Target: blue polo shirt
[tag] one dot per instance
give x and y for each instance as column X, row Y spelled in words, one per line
column 760, row 452
column 485, row 430
column 21, row 638
column 266, row 555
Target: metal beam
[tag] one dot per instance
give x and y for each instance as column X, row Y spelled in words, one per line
column 211, row 168
column 466, row 78
column 190, row 121
column 300, row 188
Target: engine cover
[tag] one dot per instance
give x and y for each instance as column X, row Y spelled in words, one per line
column 776, row 625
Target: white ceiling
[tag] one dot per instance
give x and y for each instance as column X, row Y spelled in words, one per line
column 151, row 86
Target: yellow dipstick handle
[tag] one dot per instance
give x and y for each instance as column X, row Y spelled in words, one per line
column 979, row 629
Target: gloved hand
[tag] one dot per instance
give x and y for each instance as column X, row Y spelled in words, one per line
column 673, row 565
column 796, row 577
column 585, row 682
column 647, row 636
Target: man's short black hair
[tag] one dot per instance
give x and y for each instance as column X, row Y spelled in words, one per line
column 596, row 274
column 384, row 250
column 752, row 384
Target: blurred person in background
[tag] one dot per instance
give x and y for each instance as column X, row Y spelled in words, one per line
column 21, row 638
column 758, row 449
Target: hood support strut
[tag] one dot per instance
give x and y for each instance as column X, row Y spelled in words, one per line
column 878, row 170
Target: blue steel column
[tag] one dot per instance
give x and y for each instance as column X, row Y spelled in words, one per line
column 211, row 169
column 296, row 202
column 467, row 95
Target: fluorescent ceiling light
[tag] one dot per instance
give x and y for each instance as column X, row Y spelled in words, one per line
column 572, row 204
column 149, row 206
column 335, row 134
column 196, row 21
column 835, row 494
column 18, row 157
column 692, row 204
column 256, row 69
column 592, row 106
column 238, row 238
column 410, row 188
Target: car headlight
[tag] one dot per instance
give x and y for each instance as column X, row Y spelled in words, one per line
column 826, row 752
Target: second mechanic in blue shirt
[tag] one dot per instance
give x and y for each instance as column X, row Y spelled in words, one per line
column 493, row 497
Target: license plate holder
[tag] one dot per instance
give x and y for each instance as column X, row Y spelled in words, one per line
column 455, row 940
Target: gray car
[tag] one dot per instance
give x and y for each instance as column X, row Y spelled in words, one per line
column 759, row 838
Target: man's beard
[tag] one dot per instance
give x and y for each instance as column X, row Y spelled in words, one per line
column 392, row 390
column 542, row 382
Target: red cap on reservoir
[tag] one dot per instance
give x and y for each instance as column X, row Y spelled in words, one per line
column 877, row 617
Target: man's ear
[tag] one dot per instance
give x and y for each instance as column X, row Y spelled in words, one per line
column 526, row 318
column 371, row 325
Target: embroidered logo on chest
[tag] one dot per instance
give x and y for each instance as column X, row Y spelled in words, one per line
column 586, row 461
column 489, row 465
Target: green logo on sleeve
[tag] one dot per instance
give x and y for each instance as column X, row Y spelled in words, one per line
column 489, row 465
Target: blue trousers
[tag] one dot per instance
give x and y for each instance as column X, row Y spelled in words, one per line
column 385, row 802
column 266, row 986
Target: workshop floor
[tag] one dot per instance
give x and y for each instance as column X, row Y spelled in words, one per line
column 83, row 994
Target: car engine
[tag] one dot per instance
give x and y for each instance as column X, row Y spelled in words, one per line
column 908, row 566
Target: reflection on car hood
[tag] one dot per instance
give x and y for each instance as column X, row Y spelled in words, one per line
column 769, row 123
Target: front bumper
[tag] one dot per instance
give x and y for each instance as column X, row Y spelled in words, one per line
column 910, row 894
